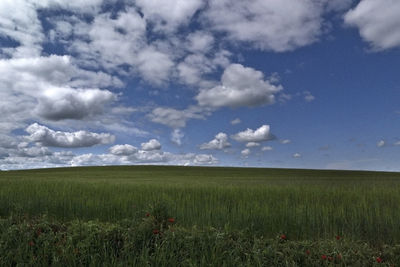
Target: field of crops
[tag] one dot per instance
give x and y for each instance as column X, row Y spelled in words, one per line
column 303, row 204
column 196, row 216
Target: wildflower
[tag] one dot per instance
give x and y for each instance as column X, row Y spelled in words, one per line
column 308, row 252
column 323, row 257
column 283, row 237
column 330, row 258
column 156, row 231
column 39, row 232
column 338, row 237
column 147, row 214
column 171, row 220
column 379, row 260
column 339, row 256
column 31, row 243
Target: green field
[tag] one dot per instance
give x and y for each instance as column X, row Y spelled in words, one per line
column 303, row 204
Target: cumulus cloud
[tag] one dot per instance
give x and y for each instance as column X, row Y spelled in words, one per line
column 20, row 22
column 204, row 159
column 176, row 136
column 267, row 148
column 277, row 25
column 235, row 121
column 154, row 66
column 119, row 156
column 169, row 14
column 285, row 141
column 245, row 152
column 57, row 103
column 219, row 142
column 51, row 88
column 123, row 150
column 48, row 137
column 194, row 67
column 261, row 134
column 152, row 144
column 377, row 21
column 308, row 96
column 381, row 143
column 175, row 118
column 114, row 41
column 240, row 86
column 252, row 144
column 33, row 152
column 200, row 41
column 296, row 155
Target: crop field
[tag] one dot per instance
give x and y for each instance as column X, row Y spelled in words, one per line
column 298, row 205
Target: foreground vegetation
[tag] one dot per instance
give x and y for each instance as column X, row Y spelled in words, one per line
column 158, row 240
column 220, row 216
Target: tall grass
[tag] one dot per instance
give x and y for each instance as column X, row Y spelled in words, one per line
column 300, row 203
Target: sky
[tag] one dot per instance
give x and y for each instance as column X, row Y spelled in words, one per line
column 251, row 83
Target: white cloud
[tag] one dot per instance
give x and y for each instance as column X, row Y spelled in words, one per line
column 308, row 96
column 377, row 21
column 200, row 41
column 285, row 141
column 235, row 121
column 397, row 143
column 252, row 144
column 267, row 148
column 152, row 144
column 176, row 118
column 51, row 88
column 240, row 86
column 381, row 143
column 169, row 14
column 144, row 157
column 47, row 137
column 204, row 159
column 219, row 142
column 245, row 152
column 283, row 98
column 113, row 42
column 176, row 136
column 296, row 155
column 57, row 103
column 154, row 65
column 277, row 25
column 123, row 150
column 19, row 21
column 33, row 152
column 258, row 135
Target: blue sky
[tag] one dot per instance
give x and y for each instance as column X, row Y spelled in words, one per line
column 276, row 83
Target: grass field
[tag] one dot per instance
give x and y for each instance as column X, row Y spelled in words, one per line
column 302, row 204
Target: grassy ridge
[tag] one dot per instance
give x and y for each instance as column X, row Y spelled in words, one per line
column 303, row 204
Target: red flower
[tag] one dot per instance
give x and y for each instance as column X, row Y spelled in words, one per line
column 308, row 252
column 156, row 231
column 379, row 260
column 31, row 243
column 330, row 258
column 338, row 237
column 147, row 214
column 339, row 256
column 39, row 232
column 323, row 257
column 283, row 237
column 171, row 220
